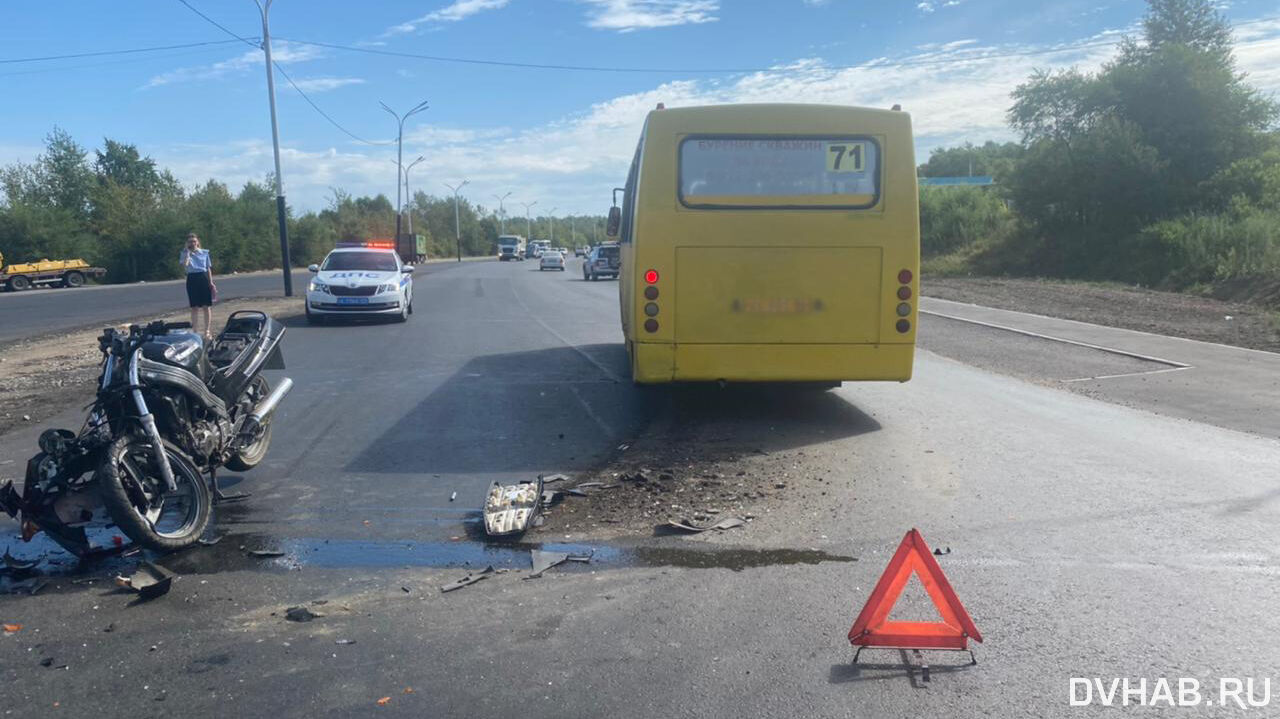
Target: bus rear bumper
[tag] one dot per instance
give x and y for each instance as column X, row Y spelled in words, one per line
column 659, row 362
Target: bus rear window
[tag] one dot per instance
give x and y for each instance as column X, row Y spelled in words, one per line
column 773, row 172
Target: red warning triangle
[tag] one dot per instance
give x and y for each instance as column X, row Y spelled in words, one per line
column 872, row 628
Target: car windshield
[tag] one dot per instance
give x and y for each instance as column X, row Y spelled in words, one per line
column 372, row 261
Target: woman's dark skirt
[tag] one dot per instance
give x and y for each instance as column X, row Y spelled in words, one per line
column 199, row 291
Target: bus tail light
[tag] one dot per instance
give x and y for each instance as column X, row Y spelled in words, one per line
column 904, row 277
column 904, row 309
column 904, row 293
column 651, row 276
column 651, row 325
column 651, row 293
column 904, row 326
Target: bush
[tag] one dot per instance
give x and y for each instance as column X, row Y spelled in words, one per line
column 1200, row 248
column 952, row 218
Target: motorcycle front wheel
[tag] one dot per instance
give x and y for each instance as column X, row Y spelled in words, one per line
column 140, row 504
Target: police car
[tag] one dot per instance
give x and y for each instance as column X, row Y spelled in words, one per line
column 360, row 278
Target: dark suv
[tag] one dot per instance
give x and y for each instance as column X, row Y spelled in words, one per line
column 604, row 261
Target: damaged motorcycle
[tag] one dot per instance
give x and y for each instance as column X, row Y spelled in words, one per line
column 169, row 412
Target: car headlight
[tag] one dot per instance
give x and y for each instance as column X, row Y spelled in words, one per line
column 389, row 287
column 318, row 286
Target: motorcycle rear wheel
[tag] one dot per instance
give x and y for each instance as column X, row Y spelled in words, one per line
column 142, row 507
column 249, row 457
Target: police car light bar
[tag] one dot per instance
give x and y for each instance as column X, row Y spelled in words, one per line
column 378, row 244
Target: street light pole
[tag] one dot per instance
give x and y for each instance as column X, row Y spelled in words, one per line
column 400, row 154
column 264, row 8
column 528, row 224
column 571, row 233
column 502, row 211
column 408, row 198
column 457, row 227
column 551, row 220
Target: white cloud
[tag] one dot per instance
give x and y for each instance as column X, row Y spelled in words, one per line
column 458, row 10
column 955, row 92
column 629, row 15
column 324, row 84
column 282, row 52
column 817, row 3
column 925, row 7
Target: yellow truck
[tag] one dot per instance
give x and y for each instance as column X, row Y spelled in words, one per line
column 47, row 273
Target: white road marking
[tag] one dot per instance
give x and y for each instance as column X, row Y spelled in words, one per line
column 1051, row 338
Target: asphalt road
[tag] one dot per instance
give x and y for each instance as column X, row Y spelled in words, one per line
column 37, row 312
column 1102, row 533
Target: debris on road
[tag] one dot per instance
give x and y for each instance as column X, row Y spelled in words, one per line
column 266, row 553
column 344, row 642
column 300, row 614
column 18, row 564
column 468, row 580
column 509, row 509
column 453, row 496
column 210, row 542
column 939, row 552
column 543, row 560
column 554, row 478
column 383, row 701
column 684, row 526
column 150, row 581
column 11, row 628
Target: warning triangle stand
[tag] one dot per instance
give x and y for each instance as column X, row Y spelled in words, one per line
column 872, row 628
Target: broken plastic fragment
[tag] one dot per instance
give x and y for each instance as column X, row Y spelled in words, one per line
column 383, row 701
column 543, row 560
column 18, row 564
column 687, row 527
column 467, row 580
column 150, row 581
column 11, row 628
column 554, row 478
column 266, row 553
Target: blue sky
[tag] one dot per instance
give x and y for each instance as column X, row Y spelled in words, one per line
column 559, row 137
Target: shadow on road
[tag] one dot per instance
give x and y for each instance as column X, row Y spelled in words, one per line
column 563, row 409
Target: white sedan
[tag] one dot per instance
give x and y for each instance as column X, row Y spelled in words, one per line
column 551, row 260
column 360, row 278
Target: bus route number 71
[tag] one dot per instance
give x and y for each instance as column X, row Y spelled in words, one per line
column 846, row 156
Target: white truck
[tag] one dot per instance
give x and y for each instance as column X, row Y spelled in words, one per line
column 510, row 247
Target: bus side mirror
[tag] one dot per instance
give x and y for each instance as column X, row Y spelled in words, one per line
column 615, row 221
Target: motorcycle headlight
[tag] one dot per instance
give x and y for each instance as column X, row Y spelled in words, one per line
column 179, row 351
column 318, row 286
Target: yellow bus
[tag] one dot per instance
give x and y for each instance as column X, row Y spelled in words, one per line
column 770, row 243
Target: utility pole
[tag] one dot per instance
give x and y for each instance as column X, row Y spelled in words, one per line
column 571, row 234
column 408, row 198
column 551, row 220
column 528, row 224
column 264, row 8
column 400, row 154
column 502, row 211
column 457, row 227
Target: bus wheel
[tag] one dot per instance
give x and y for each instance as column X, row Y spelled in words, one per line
column 73, row 279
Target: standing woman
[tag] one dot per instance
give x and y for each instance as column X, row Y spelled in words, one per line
column 200, row 288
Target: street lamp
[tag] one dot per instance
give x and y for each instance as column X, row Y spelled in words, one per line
column 408, row 198
column 457, row 228
column 551, row 220
column 528, row 224
column 400, row 153
column 502, row 211
column 264, row 8
column 571, row 232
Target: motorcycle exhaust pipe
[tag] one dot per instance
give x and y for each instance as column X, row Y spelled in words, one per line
column 264, row 409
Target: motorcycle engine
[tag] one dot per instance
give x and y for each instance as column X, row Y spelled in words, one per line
column 206, row 438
